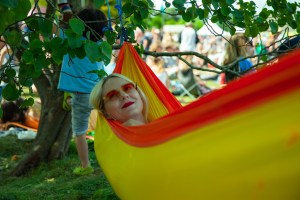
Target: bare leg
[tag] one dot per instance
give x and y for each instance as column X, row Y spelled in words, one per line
column 82, row 149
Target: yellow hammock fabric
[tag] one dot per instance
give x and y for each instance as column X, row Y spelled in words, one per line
column 240, row 142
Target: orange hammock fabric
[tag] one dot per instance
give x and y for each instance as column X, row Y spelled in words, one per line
column 239, row 142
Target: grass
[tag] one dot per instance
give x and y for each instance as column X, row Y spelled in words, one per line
column 185, row 100
column 53, row 180
column 49, row 181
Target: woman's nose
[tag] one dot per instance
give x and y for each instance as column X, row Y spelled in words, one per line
column 123, row 95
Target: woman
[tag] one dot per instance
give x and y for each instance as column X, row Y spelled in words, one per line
column 118, row 98
column 239, row 46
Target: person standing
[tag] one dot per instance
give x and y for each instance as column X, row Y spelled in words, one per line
column 188, row 38
column 75, row 79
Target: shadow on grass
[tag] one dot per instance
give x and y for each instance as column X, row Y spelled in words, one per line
column 53, row 180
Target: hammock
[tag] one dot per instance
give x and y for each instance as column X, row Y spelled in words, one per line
column 239, row 142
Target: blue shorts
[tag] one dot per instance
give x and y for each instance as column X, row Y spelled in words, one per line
column 81, row 110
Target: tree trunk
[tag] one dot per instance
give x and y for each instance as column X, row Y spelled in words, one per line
column 53, row 137
column 54, row 132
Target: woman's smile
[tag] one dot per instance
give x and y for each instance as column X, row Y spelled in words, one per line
column 127, row 104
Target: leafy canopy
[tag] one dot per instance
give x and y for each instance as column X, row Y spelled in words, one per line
column 39, row 54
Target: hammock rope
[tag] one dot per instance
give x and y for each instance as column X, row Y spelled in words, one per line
column 108, row 27
column 123, row 35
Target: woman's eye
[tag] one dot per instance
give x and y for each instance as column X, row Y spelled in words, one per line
column 127, row 88
column 112, row 95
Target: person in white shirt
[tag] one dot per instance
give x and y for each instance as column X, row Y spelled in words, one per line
column 188, row 38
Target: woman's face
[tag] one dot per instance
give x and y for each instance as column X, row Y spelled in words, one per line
column 122, row 101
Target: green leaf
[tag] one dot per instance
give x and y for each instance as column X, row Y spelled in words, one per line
column 110, row 36
column 22, row 10
column 10, row 72
column 27, row 102
column 36, row 44
column 264, row 13
column 225, row 10
column 178, row 3
column 4, row 23
column 77, row 26
column 127, row 8
column 45, row 27
column 27, row 57
column 137, row 19
column 9, row 3
column 98, row 3
column 101, row 73
column 139, row 49
column 144, row 10
column 206, row 12
column 72, row 52
column 274, row 27
column 264, row 58
column 92, row 52
column 13, row 37
column 293, row 24
column 238, row 15
column 214, row 19
column 215, row 4
column 56, row 43
column 1, row 112
column 80, row 52
column 150, row 3
column 232, row 30
column 200, row 13
column 57, row 49
column 32, row 23
column 254, row 31
column 105, row 52
column 230, row 2
column 130, row 34
column 10, row 92
column 28, row 82
column 192, row 12
column 263, row 27
column 291, row 7
column 25, row 74
column 259, row 20
column 74, row 40
column 187, row 16
column 281, row 21
column 41, row 62
column 13, row 12
column 88, row 35
column 206, row 2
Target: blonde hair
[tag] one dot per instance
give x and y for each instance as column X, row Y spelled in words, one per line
column 96, row 96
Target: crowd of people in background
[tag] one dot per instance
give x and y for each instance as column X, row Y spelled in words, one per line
column 221, row 50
